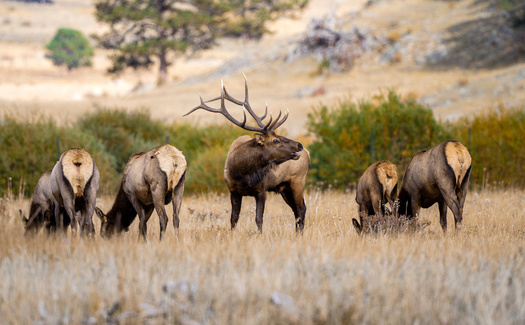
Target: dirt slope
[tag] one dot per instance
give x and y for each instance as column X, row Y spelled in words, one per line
column 457, row 57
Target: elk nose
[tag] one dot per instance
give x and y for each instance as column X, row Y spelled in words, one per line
column 300, row 147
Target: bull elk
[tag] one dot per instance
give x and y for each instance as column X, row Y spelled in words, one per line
column 41, row 212
column 376, row 187
column 151, row 180
column 266, row 162
column 441, row 175
column 74, row 184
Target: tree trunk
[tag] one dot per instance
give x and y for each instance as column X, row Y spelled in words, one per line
column 163, row 69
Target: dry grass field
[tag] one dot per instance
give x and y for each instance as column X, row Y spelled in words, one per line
column 328, row 275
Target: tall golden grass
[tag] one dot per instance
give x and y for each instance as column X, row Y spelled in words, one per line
column 206, row 273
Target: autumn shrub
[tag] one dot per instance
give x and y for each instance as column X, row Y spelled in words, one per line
column 350, row 136
column 496, row 146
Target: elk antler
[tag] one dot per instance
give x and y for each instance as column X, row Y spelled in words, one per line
column 262, row 127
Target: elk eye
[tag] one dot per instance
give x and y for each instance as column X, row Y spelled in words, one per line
column 276, row 141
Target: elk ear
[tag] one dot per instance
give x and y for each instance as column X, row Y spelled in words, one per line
column 24, row 219
column 101, row 215
column 259, row 138
column 357, row 226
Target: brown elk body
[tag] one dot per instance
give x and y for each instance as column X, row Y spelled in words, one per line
column 41, row 212
column 437, row 175
column 266, row 162
column 376, row 187
column 74, row 184
column 151, row 180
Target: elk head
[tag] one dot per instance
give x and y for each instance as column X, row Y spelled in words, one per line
column 107, row 228
column 276, row 149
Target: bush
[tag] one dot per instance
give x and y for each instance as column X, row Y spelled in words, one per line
column 30, row 149
column 496, row 146
column 124, row 133
column 340, row 153
column 515, row 10
column 350, row 137
column 205, row 149
column 70, row 48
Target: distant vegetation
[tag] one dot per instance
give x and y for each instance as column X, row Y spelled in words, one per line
column 351, row 135
column 142, row 32
column 346, row 139
column 111, row 136
column 496, row 145
column 70, row 48
column 515, row 10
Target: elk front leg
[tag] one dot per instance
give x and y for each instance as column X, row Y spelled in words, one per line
column 236, row 201
column 260, row 201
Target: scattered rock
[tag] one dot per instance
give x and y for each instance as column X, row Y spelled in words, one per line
column 335, row 48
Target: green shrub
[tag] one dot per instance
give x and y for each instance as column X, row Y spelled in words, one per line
column 30, row 149
column 205, row 149
column 350, row 137
column 70, row 48
column 124, row 133
column 340, row 153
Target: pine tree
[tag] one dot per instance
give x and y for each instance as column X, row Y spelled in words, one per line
column 147, row 31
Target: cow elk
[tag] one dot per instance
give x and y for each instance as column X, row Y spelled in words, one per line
column 266, row 162
column 376, row 187
column 151, row 180
column 41, row 212
column 441, row 175
column 74, row 184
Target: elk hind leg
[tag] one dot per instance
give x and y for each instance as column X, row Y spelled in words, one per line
column 296, row 202
column 177, row 201
column 158, row 202
column 454, row 204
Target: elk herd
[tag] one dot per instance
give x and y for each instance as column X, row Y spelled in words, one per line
column 66, row 195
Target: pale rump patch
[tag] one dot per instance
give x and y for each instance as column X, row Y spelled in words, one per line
column 172, row 162
column 387, row 175
column 77, row 165
column 458, row 159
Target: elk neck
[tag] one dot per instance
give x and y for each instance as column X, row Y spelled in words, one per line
column 251, row 163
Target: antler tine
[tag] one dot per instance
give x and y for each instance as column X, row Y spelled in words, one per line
column 227, row 114
column 248, row 107
column 203, row 106
column 262, row 127
column 278, row 123
column 223, row 111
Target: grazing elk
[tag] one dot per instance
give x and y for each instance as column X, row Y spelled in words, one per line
column 74, row 184
column 266, row 162
column 441, row 175
column 376, row 187
column 41, row 213
column 151, row 180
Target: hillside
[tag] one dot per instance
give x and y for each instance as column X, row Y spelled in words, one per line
column 459, row 57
